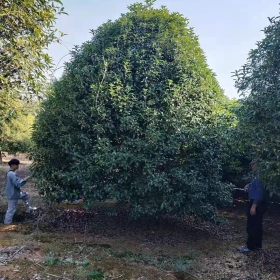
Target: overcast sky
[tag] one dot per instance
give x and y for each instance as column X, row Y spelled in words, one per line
column 227, row 29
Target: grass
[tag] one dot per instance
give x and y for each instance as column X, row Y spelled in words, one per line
column 96, row 275
column 162, row 262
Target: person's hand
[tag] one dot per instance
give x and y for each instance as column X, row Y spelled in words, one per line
column 253, row 210
column 30, row 176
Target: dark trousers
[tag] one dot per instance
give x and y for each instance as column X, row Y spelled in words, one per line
column 254, row 225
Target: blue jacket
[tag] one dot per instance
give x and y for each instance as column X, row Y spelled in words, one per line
column 256, row 191
column 13, row 185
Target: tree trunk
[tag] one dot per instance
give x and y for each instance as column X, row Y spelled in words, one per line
column 1, row 159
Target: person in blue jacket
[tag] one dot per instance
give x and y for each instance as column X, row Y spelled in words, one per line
column 256, row 209
column 13, row 192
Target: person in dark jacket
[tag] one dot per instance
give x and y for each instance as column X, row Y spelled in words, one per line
column 256, row 209
column 13, row 192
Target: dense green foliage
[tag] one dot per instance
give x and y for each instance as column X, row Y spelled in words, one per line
column 237, row 158
column 15, row 134
column 26, row 30
column 259, row 114
column 135, row 118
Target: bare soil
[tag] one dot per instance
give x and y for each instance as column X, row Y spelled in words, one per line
column 68, row 242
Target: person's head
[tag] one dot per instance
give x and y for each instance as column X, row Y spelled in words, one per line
column 14, row 163
column 254, row 165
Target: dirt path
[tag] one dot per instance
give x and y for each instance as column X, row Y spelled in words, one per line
column 67, row 242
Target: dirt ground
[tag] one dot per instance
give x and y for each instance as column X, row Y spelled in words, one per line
column 67, row 242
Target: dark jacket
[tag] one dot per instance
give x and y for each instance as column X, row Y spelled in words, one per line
column 256, row 191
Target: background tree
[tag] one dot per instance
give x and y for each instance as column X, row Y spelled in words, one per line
column 26, row 30
column 16, row 131
column 236, row 161
column 132, row 119
column 259, row 84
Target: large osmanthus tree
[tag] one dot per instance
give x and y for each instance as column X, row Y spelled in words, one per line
column 132, row 119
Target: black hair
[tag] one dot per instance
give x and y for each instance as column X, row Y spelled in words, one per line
column 14, row 161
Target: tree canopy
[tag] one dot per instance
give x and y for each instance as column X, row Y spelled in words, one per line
column 133, row 119
column 259, row 83
column 15, row 132
column 26, row 30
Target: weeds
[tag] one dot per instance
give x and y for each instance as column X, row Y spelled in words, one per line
column 96, row 275
column 54, row 260
column 71, row 261
column 161, row 262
